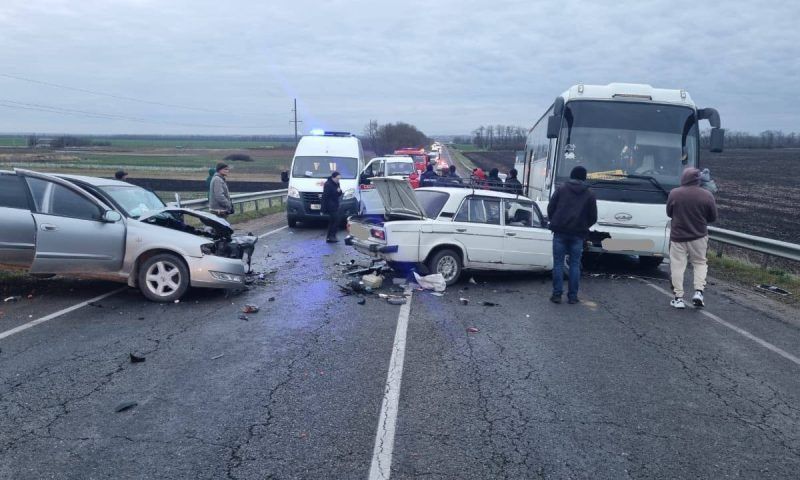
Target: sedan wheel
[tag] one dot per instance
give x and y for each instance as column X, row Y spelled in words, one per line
column 447, row 263
column 163, row 278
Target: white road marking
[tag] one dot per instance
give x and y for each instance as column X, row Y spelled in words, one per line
column 740, row 331
column 273, row 231
column 57, row 314
column 381, row 466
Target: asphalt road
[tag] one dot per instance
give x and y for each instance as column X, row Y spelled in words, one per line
column 620, row 386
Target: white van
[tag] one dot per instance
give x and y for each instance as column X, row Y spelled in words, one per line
column 316, row 157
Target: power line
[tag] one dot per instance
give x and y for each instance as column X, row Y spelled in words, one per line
column 109, row 116
column 123, row 97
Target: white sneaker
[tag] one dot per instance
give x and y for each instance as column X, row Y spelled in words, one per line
column 697, row 299
column 677, row 302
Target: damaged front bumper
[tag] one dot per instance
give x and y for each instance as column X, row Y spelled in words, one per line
column 209, row 271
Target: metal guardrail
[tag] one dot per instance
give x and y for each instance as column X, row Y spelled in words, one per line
column 757, row 244
column 241, row 199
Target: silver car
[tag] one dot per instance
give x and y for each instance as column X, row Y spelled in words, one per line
column 94, row 227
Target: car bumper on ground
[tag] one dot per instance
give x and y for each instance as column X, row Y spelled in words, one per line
column 370, row 248
column 216, row 272
column 299, row 209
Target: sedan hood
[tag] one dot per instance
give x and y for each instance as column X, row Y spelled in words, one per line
column 220, row 226
column 398, row 197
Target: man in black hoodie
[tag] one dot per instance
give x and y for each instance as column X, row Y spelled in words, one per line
column 512, row 184
column 572, row 210
column 331, row 193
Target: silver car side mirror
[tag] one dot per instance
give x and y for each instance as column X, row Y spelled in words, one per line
column 111, row 216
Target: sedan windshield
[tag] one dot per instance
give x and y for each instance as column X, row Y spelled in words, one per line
column 134, row 200
column 627, row 145
column 322, row 167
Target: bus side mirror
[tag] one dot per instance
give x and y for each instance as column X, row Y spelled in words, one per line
column 553, row 126
column 285, row 177
column 717, row 139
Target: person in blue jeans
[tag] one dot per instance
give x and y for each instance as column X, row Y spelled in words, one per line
column 572, row 211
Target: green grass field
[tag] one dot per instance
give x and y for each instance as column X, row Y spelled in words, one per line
column 467, row 147
column 177, row 143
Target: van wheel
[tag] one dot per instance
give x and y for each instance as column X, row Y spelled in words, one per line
column 448, row 263
column 163, row 278
column 650, row 262
column 292, row 222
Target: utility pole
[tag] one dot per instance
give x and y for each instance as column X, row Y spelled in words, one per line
column 295, row 121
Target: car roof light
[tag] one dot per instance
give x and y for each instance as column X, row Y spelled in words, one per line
column 317, row 131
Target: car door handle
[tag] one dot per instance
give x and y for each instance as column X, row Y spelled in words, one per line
column 511, row 234
column 461, row 230
column 48, row 227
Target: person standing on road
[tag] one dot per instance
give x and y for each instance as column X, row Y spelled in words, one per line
column 512, row 185
column 331, row 194
column 572, row 211
column 219, row 198
column 691, row 208
column 429, row 177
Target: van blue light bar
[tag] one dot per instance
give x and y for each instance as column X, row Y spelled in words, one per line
column 320, row 133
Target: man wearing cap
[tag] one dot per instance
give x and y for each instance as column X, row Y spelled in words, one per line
column 572, row 211
column 121, row 175
column 219, row 198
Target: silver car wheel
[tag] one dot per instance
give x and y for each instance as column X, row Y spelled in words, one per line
column 448, row 267
column 163, row 278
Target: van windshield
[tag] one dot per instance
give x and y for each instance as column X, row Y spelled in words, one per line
column 399, row 168
column 322, row 167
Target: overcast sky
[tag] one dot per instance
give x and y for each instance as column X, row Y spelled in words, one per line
column 445, row 66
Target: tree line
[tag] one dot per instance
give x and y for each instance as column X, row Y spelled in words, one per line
column 496, row 137
column 765, row 139
column 388, row 137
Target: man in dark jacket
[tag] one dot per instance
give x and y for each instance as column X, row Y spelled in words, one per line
column 331, row 194
column 494, row 181
column 429, row 177
column 572, row 211
column 453, row 173
column 691, row 208
column 512, row 184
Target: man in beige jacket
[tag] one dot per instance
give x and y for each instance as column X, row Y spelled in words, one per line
column 691, row 209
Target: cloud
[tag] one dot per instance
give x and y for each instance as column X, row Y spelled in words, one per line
column 445, row 66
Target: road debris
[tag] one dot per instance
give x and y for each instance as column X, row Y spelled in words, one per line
column 372, row 281
column 125, row 406
column 399, row 281
column 772, row 289
column 218, row 356
column 244, row 317
column 472, row 281
column 271, row 299
column 12, row 299
column 250, row 309
column 136, row 358
column 464, row 301
column 490, row 304
column 362, row 301
column 472, row 330
column 433, row 282
column 393, row 300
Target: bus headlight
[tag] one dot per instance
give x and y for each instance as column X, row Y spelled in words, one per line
column 349, row 193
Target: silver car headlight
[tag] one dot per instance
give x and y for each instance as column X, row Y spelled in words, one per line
column 293, row 192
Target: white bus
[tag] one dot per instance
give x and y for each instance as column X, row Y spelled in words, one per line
column 634, row 141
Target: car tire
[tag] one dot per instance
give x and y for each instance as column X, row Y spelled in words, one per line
column 650, row 262
column 448, row 263
column 292, row 222
column 163, row 277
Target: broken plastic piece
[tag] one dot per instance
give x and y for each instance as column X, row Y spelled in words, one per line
column 772, row 289
column 125, row 406
column 243, row 317
column 250, row 309
column 218, row 356
column 464, row 301
column 396, row 300
column 136, row 358
column 472, row 330
column 437, row 294
column 472, row 281
column 12, row 299
column 362, row 301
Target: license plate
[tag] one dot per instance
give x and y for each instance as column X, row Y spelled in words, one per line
column 315, row 206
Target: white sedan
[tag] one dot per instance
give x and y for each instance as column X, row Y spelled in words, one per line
column 451, row 229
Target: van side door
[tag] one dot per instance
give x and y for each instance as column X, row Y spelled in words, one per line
column 17, row 228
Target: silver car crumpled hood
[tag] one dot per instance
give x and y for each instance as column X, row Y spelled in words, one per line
column 398, row 197
column 220, row 227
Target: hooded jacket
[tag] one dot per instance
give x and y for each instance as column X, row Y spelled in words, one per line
column 572, row 209
column 220, row 198
column 691, row 208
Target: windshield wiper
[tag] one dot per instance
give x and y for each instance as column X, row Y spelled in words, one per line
column 650, row 179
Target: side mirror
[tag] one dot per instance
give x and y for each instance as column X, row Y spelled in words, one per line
column 558, row 106
column 553, row 126
column 285, row 177
column 111, row 216
column 717, row 139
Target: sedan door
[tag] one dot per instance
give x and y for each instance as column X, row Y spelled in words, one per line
column 477, row 227
column 527, row 242
column 71, row 235
column 17, row 229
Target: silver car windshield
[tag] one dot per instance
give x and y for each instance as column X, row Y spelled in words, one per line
column 134, row 200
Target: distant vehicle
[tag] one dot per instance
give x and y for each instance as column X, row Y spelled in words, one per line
column 87, row 226
column 316, row 157
column 418, row 154
column 635, row 141
column 390, row 166
column 452, row 229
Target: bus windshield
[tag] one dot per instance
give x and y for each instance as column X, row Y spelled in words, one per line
column 627, row 146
